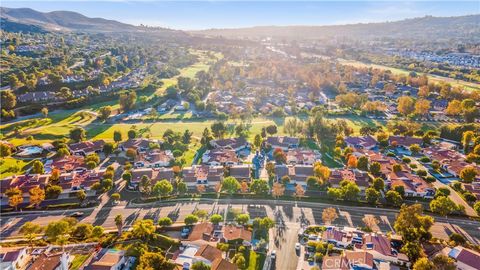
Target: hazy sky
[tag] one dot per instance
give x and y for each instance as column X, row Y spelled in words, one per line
column 230, row 14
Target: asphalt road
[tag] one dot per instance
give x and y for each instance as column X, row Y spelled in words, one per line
column 289, row 217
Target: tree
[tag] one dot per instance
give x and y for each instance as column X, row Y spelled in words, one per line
column 5, row 150
column 370, row 221
column 119, row 223
column 15, row 200
column 230, row 185
column 322, row 172
column 442, row 205
column 362, row 163
column 143, row 229
column 476, row 206
column 378, row 184
column 83, row 231
column 56, row 231
column 406, row 105
column 352, row 161
column 145, row 185
column 259, row 187
column 201, row 188
column 350, row 190
column 154, row 261
column 454, row 108
column 412, row 224
column 299, row 191
column 115, row 196
column 190, row 219
column 117, row 136
column 271, row 130
column 37, row 167
column 30, row 230
column 200, row 265
column 165, row 221
column 468, row 174
column 443, row 262
column 206, row 137
column 162, row 188
column 277, row 190
column 293, row 126
column 329, row 215
column 105, row 112
column 372, row 195
column 216, row 219
column 187, row 136
column 422, row 106
column 415, row 149
column 394, row 198
column 127, row 100
column 53, row 191
column 279, row 156
column 242, row 219
column 257, row 141
column 108, row 148
column 375, row 168
column 97, row 231
column 423, row 264
column 218, row 129
column 8, row 100
column 37, row 195
column 45, row 112
column 132, row 134
column 77, row 134
column 467, row 138
column 182, row 187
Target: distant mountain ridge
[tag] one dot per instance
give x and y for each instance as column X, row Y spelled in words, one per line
column 462, row 27
column 60, row 21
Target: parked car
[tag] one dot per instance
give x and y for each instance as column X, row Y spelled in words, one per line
column 76, row 214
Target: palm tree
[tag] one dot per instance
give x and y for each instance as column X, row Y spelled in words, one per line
column 119, row 223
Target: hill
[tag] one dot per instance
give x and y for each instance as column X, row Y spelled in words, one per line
column 58, row 21
column 428, row 27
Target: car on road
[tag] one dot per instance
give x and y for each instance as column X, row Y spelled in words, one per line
column 273, row 255
column 76, row 214
column 298, row 247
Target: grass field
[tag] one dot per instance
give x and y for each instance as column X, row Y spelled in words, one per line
column 433, row 78
column 78, row 260
column 8, row 163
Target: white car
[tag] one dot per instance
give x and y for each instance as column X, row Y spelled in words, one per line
column 297, row 246
column 273, row 255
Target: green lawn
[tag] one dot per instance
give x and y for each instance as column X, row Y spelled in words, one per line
column 256, row 260
column 78, row 260
column 6, row 165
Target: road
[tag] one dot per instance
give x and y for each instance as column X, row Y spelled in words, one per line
column 288, row 220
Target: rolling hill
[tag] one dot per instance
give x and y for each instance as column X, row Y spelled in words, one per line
column 461, row 27
column 58, row 21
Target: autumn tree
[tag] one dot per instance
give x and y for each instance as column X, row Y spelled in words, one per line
column 37, row 195
column 406, row 105
column 422, row 106
column 329, row 215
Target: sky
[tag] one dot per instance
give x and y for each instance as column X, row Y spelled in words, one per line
column 194, row 15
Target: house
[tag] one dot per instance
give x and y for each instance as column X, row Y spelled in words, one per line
column 108, row 259
column 14, row 259
column 232, row 233
column 451, row 161
column 302, row 156
column 140, row 145
column 86, row 148
column 202, row 232
column 72, row 182
column 52, row 261
column 404, row 141
column 337, row 237
column 466, row 259
column 241, row 172
column 154, row 159
column 205, row 253
column 282, row 142
column 209, row 176
column 24, row 182
column 66, row 164
column 154, row 174
column 356, row 176
column 380, row 247
column 298, row 174
column 349, row 260
column 363, row 142
column 220, row 156
column 413, row 185
column 236, row 144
